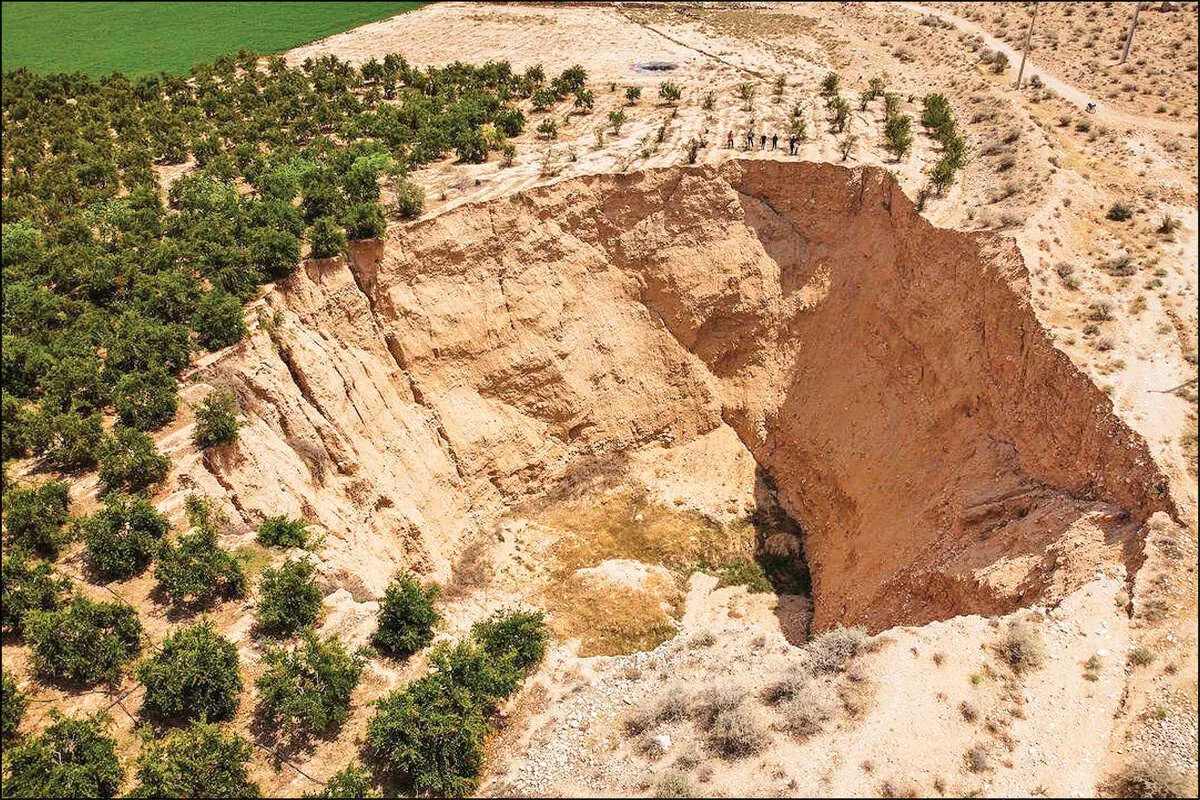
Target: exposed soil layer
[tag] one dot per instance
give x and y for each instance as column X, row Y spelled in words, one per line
column 890, row 376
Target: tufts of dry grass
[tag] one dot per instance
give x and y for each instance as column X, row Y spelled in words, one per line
column 1022, row 647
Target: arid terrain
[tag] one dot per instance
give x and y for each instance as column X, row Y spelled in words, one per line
column 959, row 426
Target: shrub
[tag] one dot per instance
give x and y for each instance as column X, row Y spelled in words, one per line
column 218, row 320
column 1119, row 212
column 288, row 598
column 327, row 238
column 194, row 675
column 146, row 400
column 744, row 572
column 430, row 736
column 832, row 650
column 670, row 92
column 352, row 781
column 84, row 643
column 1140, row 656
column 519, row 633
column 308, row 686
column 216, row 419
column 34, row 517
column 736, row 733
column 547, row 129
column 1021, row 646
column 632, row 94
column 406, row 617
column 196, row 569
column 122, row 537
column 13, row 707
column 830, row 84
column 28, row 587
column 977, row 759
column 282, row 532
column 584, row 100
column 840, row 114
column 898, row 133
column 1168, row 225
column 72, row 758
column 410, row 198
column 615, row 120
column 199, row 761
column 130, row 461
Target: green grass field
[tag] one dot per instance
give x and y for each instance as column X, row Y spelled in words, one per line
column 140, row 38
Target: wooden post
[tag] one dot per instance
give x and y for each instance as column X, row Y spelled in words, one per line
column 1129, row 37
column 1025, row 51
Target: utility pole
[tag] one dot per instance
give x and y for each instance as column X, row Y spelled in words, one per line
column 1129, row 37
column 1025, row 52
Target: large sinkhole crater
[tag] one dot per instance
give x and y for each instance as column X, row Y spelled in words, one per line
column 890, row 376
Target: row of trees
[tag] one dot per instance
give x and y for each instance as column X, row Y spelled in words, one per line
column 107, row 289
column 428, row 735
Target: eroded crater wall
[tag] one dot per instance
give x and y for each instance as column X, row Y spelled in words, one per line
column 892, row 377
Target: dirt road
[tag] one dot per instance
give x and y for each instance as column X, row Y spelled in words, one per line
column 1065, row 90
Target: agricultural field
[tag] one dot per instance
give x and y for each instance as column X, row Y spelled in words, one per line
column 142, row 38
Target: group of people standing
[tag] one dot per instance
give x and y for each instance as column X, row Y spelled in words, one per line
column 793, row 141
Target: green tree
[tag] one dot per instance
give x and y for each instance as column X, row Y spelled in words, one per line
column 327, row 238
column 280, row 531
column 196, row 569
column 73, row 757
column 28, row 586
column 308, row 687
column 365, row 221
column 34, row 517
column 521, row 634
column 288, row 598
column 352, row 781
column 146, row 400
column 194, row 675
column 274, row 252
column 122, row 536
column 130, row 461
column 216, row 419
column 13, row 707
column 199, row 761
column 406, row 617
column 84, row 643
column 218, row 320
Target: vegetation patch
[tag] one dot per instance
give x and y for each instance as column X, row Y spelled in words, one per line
column 429, row 735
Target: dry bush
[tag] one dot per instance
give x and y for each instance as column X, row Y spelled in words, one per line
column 673, row 783
column 977, row 759
column 716, row 700
column 807, row 711
column 671, row 707
column 832, row 650
column 969, row 712
column 786, row 687
column 1022, row 646
column 737, row 733
column 1151, row 778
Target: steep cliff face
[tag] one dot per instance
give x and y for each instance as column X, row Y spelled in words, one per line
column 892, row 378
